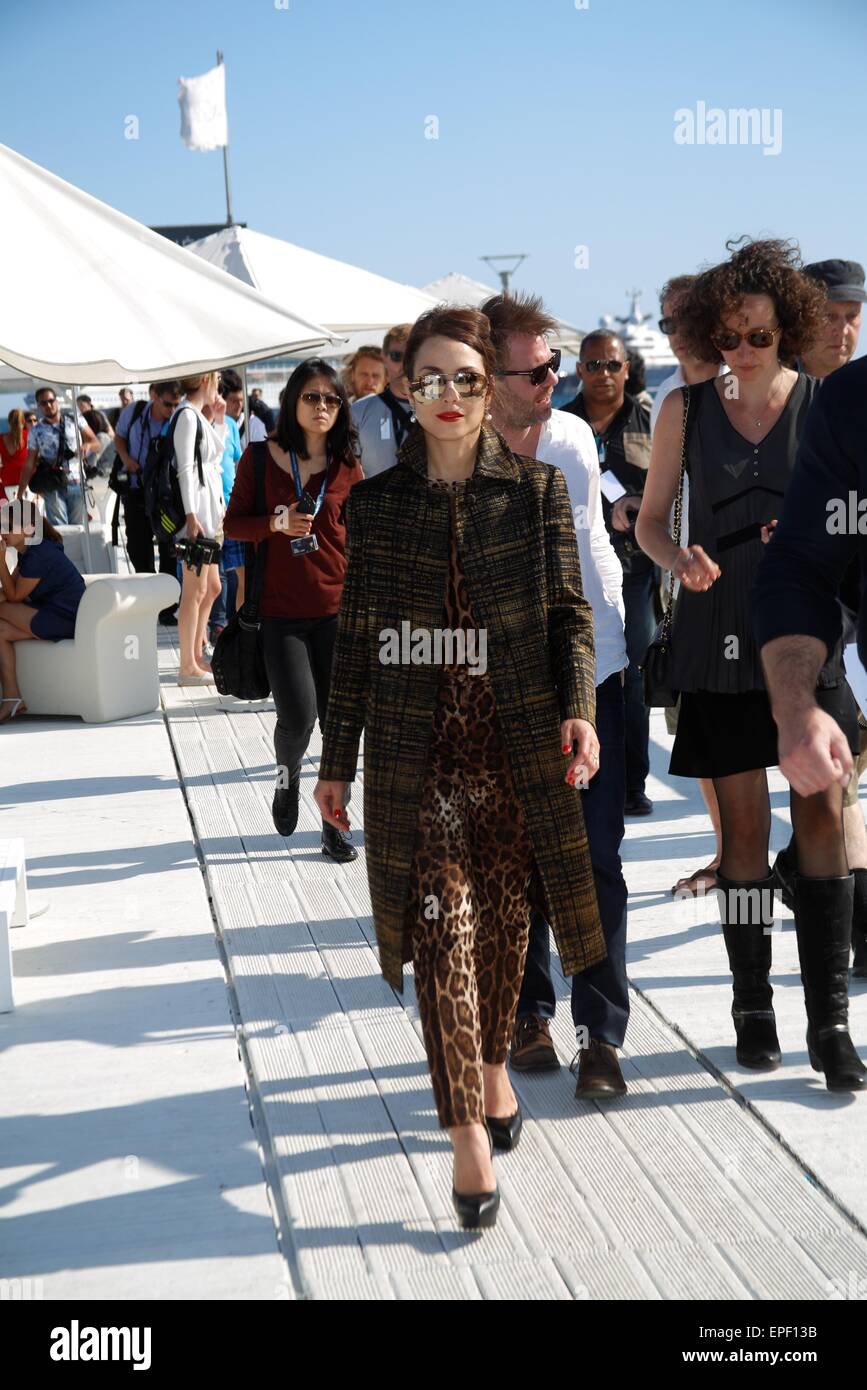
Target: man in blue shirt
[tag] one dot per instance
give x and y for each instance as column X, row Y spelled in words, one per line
column 138, row 425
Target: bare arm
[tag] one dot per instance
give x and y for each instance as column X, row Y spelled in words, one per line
column 692, row 567
column 28, row 470
column 121, row 448
column 15, row 587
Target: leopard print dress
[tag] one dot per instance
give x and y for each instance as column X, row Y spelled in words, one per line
column 467, row 906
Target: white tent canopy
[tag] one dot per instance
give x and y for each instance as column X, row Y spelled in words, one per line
column 91, row 295
column 455, row 288
column 344, row 297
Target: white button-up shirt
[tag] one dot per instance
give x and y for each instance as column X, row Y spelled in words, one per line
column 567, row 442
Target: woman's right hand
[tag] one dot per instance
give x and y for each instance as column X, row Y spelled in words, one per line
column 695, row 569
column 193, row 527
column 331, row 798
column 291, row 522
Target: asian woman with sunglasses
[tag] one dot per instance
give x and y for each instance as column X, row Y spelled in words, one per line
column 310, row 466
column 755, row 312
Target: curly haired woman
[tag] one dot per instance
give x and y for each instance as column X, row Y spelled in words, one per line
column 756, row 312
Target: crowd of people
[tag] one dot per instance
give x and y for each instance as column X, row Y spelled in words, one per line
column 430, row 489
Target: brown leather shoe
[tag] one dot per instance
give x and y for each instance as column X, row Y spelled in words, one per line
column 532, row 1047
column 599, row 1074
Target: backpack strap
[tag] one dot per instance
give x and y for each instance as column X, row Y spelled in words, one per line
column 170, row 435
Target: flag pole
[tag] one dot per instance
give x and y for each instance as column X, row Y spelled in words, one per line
column 229, row 219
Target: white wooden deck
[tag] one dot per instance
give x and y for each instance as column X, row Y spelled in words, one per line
column 129, row 1168
column 703, row 1182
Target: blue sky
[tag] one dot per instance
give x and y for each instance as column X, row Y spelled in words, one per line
column 556, row 128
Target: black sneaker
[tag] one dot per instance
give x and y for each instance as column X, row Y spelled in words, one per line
column 168, row 618
column 284, row 808
column 637, row 804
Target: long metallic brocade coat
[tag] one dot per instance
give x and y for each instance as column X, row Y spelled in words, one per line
column 516, row 538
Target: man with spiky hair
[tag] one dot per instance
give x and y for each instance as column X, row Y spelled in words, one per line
column 522, row 412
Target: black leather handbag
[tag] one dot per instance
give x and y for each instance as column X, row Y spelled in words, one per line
column 238, row 663
column 655, row 669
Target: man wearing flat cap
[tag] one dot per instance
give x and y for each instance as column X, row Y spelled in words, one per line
column 844, row 285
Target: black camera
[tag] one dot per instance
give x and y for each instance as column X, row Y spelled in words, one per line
column 198, row 552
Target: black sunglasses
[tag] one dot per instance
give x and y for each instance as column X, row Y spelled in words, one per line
column 668, row 325
column 48, row 400
column 598, row 364
column 395, row 355
column 537, row 374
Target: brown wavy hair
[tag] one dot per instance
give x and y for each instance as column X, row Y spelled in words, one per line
column 771, row 267
column 469, row 326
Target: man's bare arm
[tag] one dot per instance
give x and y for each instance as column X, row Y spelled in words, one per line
column 792, row 666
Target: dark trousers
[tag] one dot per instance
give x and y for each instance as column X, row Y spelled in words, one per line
column 600, row 996
column 640, row 627
column 223, row 607
column 298, row 654
column 140, row 539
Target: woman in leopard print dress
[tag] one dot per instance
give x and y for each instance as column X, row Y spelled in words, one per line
column 466, row 799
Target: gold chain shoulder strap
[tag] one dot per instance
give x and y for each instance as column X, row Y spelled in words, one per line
column 678, row 511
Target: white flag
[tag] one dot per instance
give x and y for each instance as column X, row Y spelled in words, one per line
column 204, row 124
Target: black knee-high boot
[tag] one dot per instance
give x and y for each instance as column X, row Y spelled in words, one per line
column 823, row 922
column 859, row 925
column 747, row 916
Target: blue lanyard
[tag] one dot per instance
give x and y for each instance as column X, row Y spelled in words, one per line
column 600, row 447
column 296, row 474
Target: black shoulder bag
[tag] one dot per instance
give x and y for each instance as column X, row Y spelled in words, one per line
column 238, row 665
column 657, row 661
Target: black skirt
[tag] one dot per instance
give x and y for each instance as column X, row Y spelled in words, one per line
column 720, row 735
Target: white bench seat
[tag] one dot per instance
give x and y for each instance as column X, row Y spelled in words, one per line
column 109, row 669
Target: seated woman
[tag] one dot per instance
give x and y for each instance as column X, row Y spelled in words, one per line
column 41, row 594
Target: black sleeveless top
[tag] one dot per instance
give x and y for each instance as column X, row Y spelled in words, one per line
column 735, row 487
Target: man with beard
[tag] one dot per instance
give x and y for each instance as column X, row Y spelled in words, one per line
column 383, row 421
column 621, row 428
column 522, row 412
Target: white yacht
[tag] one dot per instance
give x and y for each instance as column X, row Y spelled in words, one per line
column 638, row 336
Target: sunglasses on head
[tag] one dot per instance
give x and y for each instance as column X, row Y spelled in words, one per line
column 599, row 364
column 432, row 386
column 668, row 324
column 727, row 340
column 328, row 400
column 536, row 375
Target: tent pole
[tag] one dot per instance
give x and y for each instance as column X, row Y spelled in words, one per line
column 86, row 536
column 229, row 218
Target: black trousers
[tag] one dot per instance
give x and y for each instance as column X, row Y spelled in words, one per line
column 600, row 995
column 298, row 653
column 140, row 540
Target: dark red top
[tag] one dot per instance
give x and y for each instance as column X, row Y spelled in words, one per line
column 296, row 586
column 11, row 464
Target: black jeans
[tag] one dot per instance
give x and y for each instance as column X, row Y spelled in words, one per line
column 640, row 627
column 140, row 539
column 298, row 654
column 600, row 995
